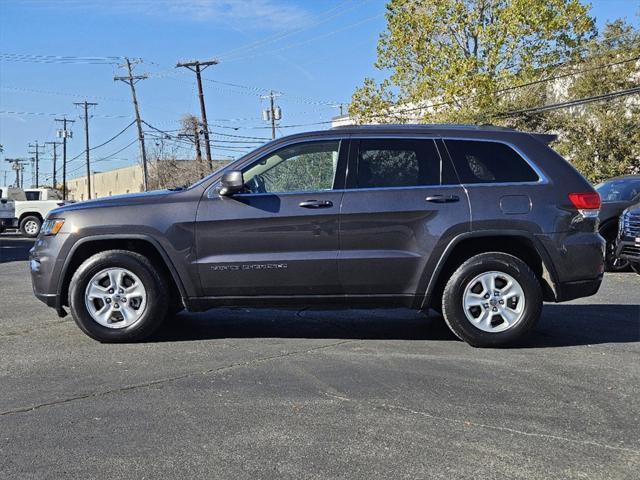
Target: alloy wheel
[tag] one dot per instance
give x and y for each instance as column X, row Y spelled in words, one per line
column 493, row 302
column 115, row 298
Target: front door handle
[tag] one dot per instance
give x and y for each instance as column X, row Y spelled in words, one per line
column 443, row 199
column 316, row 204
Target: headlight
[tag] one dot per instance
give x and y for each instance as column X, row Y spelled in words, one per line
column 52, row 226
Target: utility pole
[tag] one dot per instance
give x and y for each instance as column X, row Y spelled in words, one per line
column 18, row 167
column 86, row 106
column 131, row 80
column 273, row 113
column 340, row 106
column 55, row 158
column 36, row 152
column 197, row 67
column 64, row 134
column 5, row 177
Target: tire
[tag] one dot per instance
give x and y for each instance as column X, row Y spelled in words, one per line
column 612, row 263
column 635, row 266
column 522, row 301
column 30, row 226
column 151, row 296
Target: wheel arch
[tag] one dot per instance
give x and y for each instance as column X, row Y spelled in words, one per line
column 143, row 244
column 518, row 243
column 30, row 214
column 608, row 224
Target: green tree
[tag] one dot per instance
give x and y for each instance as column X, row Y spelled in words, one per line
column 461, row 53
column 602, row 139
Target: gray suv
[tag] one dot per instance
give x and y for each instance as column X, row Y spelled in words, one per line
column 478, row 223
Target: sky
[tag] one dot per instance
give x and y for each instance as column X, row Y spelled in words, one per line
column 315, row 53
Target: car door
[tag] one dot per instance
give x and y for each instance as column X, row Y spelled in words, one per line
column 280, row 236
column 401, row 201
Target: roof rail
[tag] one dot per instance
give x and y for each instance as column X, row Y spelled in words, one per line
column 425, row 126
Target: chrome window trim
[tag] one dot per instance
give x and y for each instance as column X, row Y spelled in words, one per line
column 542, row 178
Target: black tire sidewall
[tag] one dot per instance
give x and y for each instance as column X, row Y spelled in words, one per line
column 610, row 234
column 453, row 294
column 155, row 286
column 24, row 222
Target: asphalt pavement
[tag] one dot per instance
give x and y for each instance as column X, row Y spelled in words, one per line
column 358, row 394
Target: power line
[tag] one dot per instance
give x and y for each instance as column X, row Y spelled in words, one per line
column 309, row 40
column 572, row 103
column 104, row 143
column 507, row 89
column 30, row 58
column 52, row 114
column 323, row 17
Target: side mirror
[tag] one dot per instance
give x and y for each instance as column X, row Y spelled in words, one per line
column 231, row 182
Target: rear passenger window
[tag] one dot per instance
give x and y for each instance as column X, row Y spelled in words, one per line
column 488, row 162
column 397, row 163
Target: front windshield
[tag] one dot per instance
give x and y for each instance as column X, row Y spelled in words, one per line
column 619, row 190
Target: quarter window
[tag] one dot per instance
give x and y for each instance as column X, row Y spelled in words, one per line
column 488, row 162
column 397, row 163
column 303, row 167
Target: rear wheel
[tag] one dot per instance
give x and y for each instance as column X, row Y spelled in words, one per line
column 492, row 300
column 30, row 226
column 118, row 296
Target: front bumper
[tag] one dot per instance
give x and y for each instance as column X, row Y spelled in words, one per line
column 628, row 248
column 9, row 222
column 45, row 263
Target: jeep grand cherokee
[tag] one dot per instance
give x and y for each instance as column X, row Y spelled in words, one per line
column 479, row 223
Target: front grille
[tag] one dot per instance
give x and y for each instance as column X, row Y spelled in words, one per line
column 631, row 224
column 631, row 250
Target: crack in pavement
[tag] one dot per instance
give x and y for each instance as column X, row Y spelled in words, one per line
column 468, row 423
column 160, row 381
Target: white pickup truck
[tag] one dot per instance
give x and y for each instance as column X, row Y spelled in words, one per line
column 31, row 208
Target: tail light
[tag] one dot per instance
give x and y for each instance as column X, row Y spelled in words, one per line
column 587, row 203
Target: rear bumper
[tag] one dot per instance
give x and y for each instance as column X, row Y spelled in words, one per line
column 572, row 290
column 575, row 263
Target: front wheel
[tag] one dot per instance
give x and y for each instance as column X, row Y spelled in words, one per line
column 30, row 226
column 118, row 296
column 635, row 266
column 613, row 263
column 492, row 300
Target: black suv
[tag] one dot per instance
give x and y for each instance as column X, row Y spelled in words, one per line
column 479, row 223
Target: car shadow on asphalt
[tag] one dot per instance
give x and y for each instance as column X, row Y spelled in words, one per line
column 560, row 326
column 14, row 248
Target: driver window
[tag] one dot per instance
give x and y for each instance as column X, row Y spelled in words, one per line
column 304, row 167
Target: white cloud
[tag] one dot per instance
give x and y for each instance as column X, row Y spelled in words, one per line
column 273, row 14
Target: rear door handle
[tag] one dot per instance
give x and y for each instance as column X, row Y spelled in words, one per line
column 443, row 199
column 316, row 204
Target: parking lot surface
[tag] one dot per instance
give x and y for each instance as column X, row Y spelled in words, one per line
column 319, row 394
